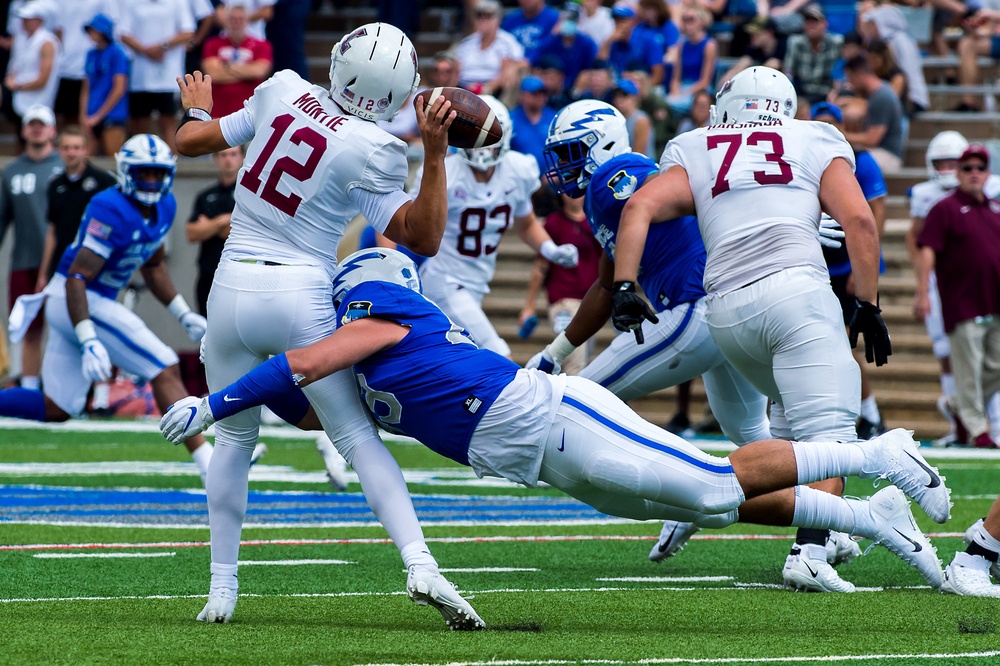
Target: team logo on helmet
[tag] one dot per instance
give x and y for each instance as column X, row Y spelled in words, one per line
column 345, row 44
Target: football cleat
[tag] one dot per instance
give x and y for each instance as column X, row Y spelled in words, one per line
column 896, row 457
column 969, row 581
column 841, row 549
column 673, row 537
column 336, row 466
column 969, row 537
column 428, row 588
column 895, row 528
column 806, row 569
column 220, row 606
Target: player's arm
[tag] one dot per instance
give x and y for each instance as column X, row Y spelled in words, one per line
column 87, row 265
column 531, row 231
column 160, row 284
column 419, row 224
column 282, row 374
column 916, row 226
column 923, row 264
column 841, row 197
column 199, row 137
column 203, row 227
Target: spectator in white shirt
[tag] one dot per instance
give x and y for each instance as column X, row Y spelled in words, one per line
column 595, row 21
column 32, row 74
column 489, row 58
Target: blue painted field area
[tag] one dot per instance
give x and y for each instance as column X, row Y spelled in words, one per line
column 60, row 505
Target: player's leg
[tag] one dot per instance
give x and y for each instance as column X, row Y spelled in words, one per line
column 741, row 408
column 968, row 574
column 22, row 282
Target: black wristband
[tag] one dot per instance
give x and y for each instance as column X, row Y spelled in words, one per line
column 193, row 114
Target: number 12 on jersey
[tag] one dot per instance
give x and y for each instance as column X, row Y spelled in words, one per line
column 299, row 172
column 734, row 142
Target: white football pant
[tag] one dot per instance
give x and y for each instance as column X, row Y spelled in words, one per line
column 465, row 308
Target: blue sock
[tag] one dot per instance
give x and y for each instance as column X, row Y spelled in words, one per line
column 270, row 382
column 23, row 403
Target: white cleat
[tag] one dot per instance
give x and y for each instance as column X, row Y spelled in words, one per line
column 428, row 588
column 841, row 549
column 808, row 570
column 969, row 576
column 896, row 529
column 673, row 537
column 258, row 453
column 895, row 456
column 220, row 606
column 336, row 466
column 970, row 535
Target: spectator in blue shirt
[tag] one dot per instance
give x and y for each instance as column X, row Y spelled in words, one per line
column 574, row 51
column 104, row 93
column 531, row 118
column 628, row 49
column 530, row 23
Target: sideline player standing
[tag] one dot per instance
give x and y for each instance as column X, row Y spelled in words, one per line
column 757, row 180
column 315, row 159
column 488, row 189
column 418, row 371
column 122, row 231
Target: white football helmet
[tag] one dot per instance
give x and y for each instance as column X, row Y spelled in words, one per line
column 372, row 71
column 947, row 145
column 374, row 264
column 755, row 95
column 145, row 151
column 583, row 136
column 482, row 159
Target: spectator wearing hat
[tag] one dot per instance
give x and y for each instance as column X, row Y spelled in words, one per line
column 572, row 51
column 692, row 59
column 811, row 56
column 156, row 31
column 960, row 241
column 883, row 121
column 625, row 98
column 767, row 48
column 237, row 63
column 531, row 118
column 489, row 58
column 73, row 16
column 24, row 206
column 104, row 92
column 872, row 183
column 32, row 73
column 595, row 21
column 530, row 24
column 629, row 49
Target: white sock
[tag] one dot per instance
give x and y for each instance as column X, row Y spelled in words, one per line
column 417, row 553
column 201, row 456
column 948, row 384
column 963, row 559
column 986, row 540
column 818, row 461
column 816, row 509
column 31, row 382
column 227, row 499
column 869, row 410
column 224, row 575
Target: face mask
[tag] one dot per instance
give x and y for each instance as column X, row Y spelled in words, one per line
column 567, row 28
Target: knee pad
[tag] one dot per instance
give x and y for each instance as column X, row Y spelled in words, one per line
column 613, row 473
column 717, row 521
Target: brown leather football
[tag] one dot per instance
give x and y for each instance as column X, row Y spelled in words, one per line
column 475, row 126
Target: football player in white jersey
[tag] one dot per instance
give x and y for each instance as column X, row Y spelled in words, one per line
column 488, row 190
column 757, row 180
column 315, row 159
column 942, row 156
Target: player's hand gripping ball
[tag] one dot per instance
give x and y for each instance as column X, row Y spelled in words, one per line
column 475, row 124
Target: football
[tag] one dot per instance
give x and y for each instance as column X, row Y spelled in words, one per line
column 475, row 126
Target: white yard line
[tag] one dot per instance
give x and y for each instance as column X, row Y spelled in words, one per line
column 716, row 660
column 288, row 563
column 59, row 556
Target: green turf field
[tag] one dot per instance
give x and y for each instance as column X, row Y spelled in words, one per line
column 102, row 561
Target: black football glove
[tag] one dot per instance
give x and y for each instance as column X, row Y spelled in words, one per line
column 867, row 321
column 628, row 309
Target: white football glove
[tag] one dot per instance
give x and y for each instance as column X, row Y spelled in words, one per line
column 566, row 255
column 96, row 362
column 193, row 323
column 831, row 234
column 186, row 418
column 543, row 361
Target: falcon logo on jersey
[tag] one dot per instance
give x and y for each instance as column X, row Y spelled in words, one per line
column 356, row 310
column 472, row 404
column 622, row 185
column 345, row 45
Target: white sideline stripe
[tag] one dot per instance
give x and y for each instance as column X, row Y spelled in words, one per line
column 332, row 524
column 486, row 539
column 53, row 556
column 503, row 590
column 667, row 579
column 710, row 660
column 487, row 570
column 288, row 563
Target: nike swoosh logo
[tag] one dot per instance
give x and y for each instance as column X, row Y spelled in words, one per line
column 194, row 413
column 810, row 568
column 916, row 546
column 663, row 545
column 226, row 398
column 562, row 444
column 935, row 480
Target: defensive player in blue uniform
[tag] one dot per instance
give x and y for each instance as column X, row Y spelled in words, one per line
column 89, row 331
column 588, row 155
column 417, row 371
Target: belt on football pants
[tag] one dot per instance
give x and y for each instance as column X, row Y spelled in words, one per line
column 259, row 262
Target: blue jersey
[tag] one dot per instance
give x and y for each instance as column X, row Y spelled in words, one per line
column 402, row 386
column 872, row 182
column 672, row 268
column 530, row 32
column 113, row 228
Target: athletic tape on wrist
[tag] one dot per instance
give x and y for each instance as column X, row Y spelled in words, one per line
column 561, row 347
column 178, row 307
column 85, row 331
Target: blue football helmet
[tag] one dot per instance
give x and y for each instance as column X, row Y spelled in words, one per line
column 377, row 264
column 145, row 151
column 582, row 137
